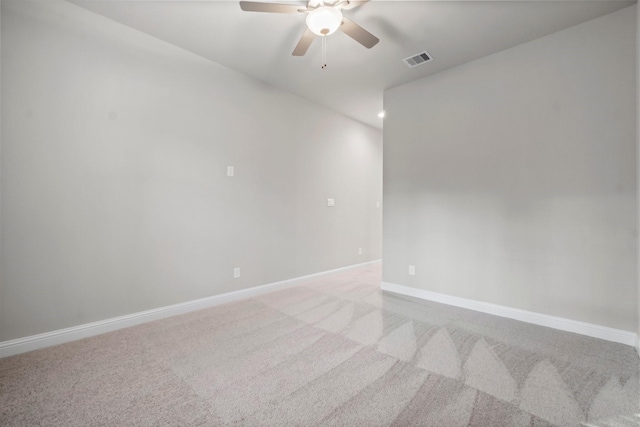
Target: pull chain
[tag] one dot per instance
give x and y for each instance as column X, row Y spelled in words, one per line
column 324, row 52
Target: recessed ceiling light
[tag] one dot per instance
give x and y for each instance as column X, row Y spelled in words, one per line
column 381, row 114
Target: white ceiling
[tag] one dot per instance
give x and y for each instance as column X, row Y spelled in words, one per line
column 260, row 44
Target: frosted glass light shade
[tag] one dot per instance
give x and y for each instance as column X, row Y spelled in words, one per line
column 324, row 20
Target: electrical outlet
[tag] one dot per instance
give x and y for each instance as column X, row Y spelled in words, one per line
column 359, row 251
column 331, row 202
column 378, row 205
column 236, row 273
column 412, row 270
column 231, row 171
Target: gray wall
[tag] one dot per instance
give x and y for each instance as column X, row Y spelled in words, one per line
column 115, row 197
column 638, row 143
column 512, row 179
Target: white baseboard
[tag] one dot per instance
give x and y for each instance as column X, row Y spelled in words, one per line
column 61, row 336
column 596, row 331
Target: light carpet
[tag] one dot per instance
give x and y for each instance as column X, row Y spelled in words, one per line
column 334, row 351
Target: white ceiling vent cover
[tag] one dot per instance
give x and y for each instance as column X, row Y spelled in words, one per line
column 420, row 58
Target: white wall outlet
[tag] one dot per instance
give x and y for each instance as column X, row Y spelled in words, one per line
column 331, row 202
column 230, row 171
column 236, row 273
column 359, row 251
column 378, row 205
column 412, row 270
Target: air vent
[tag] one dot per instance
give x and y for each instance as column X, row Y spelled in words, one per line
column 415, row 60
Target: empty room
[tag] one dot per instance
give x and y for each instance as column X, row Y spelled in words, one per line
column 319, row 213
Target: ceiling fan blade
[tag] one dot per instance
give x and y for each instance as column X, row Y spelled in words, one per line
column 351, row 4
column 254, row 6
column 304, row 43
column 359, row 34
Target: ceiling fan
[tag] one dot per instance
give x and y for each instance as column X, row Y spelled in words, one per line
column 324, row 17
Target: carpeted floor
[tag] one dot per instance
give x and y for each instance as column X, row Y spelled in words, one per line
column 333, row 352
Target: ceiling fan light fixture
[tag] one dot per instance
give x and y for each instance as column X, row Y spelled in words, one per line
column 324, row 20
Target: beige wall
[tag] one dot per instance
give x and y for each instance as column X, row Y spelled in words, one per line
column 115, row 197
column 512, row 179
